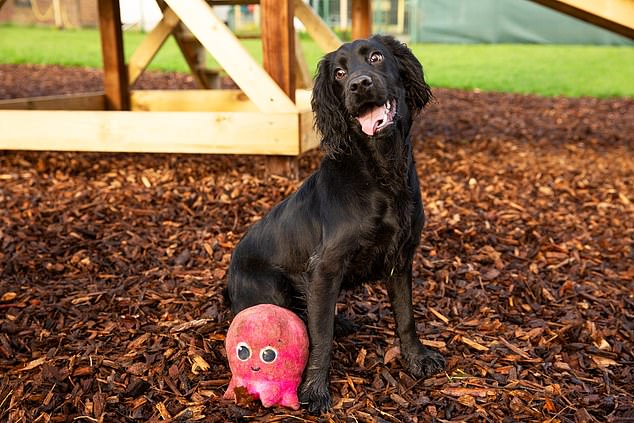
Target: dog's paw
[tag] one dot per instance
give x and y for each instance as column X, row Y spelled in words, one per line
column 424, row 363
column 315, row 397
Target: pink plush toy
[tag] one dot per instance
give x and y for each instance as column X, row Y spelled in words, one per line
column 267, row 349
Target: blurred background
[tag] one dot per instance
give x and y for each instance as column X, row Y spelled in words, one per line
column 418, row 21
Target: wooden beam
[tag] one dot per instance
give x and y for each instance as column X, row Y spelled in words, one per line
column 227, row 50
column 84, row 101
column 114, row 68
column 325, row 38
column 156, row 132
column 308, row 136
column 343, row 14
column 278, row 43
column 361, row 19
column 614, row 15
column 278, row 59
column 191, row 101
column 400, row 16
column 302, row 99
column 144, row 54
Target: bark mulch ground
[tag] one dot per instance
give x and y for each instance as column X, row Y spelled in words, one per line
column 112, row 266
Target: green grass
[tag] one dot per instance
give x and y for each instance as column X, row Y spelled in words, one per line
column 600, row 71
column 571, row 70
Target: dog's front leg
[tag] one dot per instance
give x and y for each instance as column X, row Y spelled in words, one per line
column 321, row 298
column 421, row 362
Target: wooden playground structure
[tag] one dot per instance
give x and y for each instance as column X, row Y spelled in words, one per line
column 270, row 114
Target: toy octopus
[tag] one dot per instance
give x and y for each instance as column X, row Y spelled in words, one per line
column 267, row 349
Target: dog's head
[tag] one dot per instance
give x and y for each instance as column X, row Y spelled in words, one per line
column 367, row 87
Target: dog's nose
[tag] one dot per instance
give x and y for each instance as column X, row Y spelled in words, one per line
column 359, row 83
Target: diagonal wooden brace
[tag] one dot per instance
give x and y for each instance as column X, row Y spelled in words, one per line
column 614, row 15
column 151, row 45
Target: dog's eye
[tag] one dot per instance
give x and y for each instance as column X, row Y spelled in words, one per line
column 243, row 352
column 340, row 74
column 376, row 57
column 268, row 354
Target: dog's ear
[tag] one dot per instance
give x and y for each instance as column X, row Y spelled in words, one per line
column 411, row 73
column 330, row 118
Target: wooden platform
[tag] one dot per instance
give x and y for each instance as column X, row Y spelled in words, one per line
column 198, row 121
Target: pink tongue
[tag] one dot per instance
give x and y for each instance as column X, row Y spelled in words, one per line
column 369, row 121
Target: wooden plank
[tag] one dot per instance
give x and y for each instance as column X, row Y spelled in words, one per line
column 325, row 38
column 343, row 13
column 57, row 14
column 191, row 101
column 156, row 132
column 302, row 100
column 361, row 19
column 308, row 137
column 278, row 43
column 614, row 15
column 152, row 43
column 227, row 50
column 84, row 101
column 114, row 68
column 400, row 20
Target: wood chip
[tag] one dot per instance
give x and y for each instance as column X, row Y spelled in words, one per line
column 473, row 392
column 112, row 270
column 439, row 315
column 473, row 344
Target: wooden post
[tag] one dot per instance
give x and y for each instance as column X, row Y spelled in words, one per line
column 57, row 13
column 278, row 43
column 400, row 13
column 343, row 14
column 278, row 59
column 361, row 19
column 115, row 73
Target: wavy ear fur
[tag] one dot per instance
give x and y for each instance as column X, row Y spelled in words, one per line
column 411, row 73
column 330, row 119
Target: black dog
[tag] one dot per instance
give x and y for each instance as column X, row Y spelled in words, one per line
column 358, row 218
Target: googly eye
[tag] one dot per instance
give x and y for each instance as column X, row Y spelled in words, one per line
column 340, row 74
column 376, row 57
column 268, row 354
column 243, row 351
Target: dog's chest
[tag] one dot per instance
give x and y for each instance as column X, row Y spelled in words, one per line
column 380, row 249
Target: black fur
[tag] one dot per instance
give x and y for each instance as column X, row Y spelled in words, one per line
column 357, row 218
